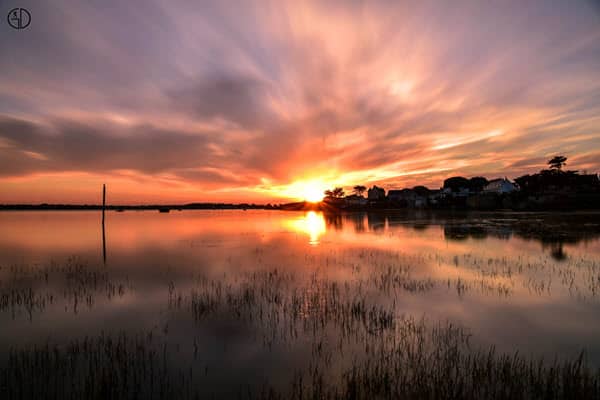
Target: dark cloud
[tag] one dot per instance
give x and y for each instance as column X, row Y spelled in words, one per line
column 238, row 99
column 69, row 146
column 215, row 176
column 532, row 163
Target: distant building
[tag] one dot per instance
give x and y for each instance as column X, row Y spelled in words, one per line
column 458, row 192
column 587, row 182
column 406, row 197
column 500, row 186
column 401, row 195
column 355, row 200
column 376, row 193
column 435, row 196
column 462, row 192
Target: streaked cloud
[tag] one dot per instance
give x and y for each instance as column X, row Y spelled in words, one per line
column 193, row 101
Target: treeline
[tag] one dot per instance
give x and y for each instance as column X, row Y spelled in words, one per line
column 191, row 206
column 550, row 188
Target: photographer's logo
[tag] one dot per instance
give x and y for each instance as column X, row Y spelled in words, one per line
column 19, row 18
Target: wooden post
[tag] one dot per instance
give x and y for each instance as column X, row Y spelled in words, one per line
column 103, row 235
column 103, row 201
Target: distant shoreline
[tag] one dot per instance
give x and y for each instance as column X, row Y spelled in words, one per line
column 151, row 207
column 242, row 206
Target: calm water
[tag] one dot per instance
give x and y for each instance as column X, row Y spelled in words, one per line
column 207, row 282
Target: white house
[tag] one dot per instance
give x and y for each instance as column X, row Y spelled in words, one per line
column 501, row 185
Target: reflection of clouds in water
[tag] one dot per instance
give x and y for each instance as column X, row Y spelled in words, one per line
column 553, row 231
column 463, row 280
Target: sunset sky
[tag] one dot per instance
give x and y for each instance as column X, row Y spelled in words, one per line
column 182, row 101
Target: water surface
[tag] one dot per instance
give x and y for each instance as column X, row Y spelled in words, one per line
column 519, row 282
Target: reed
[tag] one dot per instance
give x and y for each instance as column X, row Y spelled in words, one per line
column 416, row 362
column 343, row 313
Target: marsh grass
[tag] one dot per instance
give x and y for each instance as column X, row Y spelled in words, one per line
column 343, row 312
column 29, row 290
column 413, row 361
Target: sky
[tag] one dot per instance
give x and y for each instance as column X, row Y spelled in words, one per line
column 265, row 101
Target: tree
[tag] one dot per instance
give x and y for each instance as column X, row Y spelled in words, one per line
column 557, row 179
column 337, row 193
column 421, row 191
column 557, row 162
column 359, row 189
column 456, row 183
column 477, row 183
column 528, row 183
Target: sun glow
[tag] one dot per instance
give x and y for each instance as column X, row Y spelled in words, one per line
column 313, row 193
column 311, row 190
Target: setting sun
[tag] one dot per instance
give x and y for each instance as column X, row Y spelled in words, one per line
column 313, row 193
column 308, row 190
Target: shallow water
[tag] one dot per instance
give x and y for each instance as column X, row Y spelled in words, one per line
column 207, row 282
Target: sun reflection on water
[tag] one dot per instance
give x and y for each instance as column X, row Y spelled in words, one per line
column 312, row 224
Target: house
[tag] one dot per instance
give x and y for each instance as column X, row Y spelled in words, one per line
column 462, row 192
column 500, row 186
column 459, row 192
column 376, row 193
column 435, row 196
column 397, row 196
column 407, row 197
column 355, row 200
